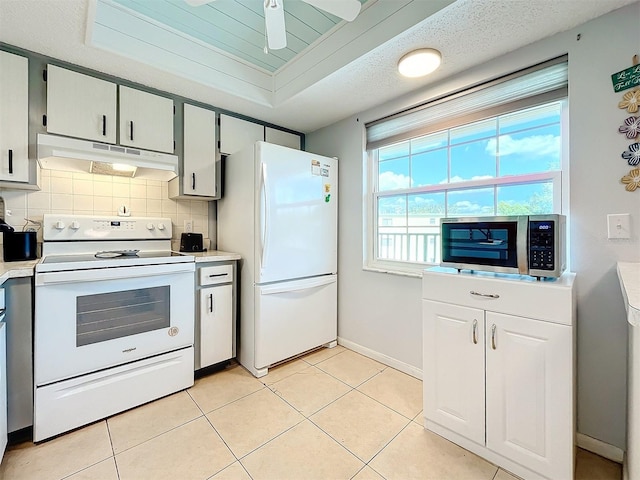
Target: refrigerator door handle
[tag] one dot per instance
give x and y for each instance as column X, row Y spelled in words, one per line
column 265, row 217
column 297, row 286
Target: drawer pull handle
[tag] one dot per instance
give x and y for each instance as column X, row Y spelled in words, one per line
column 493, row 337
column 213, row 275
column 475, row 331
column 486, row 295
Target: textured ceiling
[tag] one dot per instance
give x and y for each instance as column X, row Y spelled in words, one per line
column 349, row 72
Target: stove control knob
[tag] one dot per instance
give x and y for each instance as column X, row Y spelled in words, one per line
column 59, row 225
column 75, row 225
column 150, row 226
column 161, row 226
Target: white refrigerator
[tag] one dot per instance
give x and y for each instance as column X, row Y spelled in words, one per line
column 279, row 212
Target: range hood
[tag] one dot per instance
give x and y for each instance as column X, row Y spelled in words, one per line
column 71, row 154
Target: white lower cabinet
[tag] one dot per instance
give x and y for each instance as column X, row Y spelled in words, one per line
column 215, row 323
column 498, row 383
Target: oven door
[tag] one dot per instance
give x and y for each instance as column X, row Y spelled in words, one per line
column 87, row 320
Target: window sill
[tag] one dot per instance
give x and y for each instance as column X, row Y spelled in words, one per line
column 401, row 273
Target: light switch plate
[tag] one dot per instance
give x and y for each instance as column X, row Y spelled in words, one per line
column 188, row 226
column 619, row 225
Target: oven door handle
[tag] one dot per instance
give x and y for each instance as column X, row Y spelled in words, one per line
column 105, row 274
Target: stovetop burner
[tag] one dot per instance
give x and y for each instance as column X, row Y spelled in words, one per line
column 84, row 261
column 117, row 253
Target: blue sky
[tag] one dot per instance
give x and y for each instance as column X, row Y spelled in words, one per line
column 520, row 143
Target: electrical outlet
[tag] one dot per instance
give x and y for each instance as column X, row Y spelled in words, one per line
column 188, row 226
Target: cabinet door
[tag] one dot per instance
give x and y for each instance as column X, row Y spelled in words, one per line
column 286, row 139
column 529, row 393
column 146, row 120
column 3, row 387
column 199, row 156
column 14, row 118
column 216, row 324
column 453, row 373
column 80, row 106
column 235, row 134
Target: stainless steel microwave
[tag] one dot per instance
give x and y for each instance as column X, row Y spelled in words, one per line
column 524, row 244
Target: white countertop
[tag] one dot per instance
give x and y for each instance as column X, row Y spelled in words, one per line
column 629, row 275
column 214, row 256
column 16, row 269
column 26, row 269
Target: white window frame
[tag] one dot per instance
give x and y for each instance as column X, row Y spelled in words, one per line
column 559, row 179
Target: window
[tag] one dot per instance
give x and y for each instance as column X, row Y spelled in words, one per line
column 504, row 157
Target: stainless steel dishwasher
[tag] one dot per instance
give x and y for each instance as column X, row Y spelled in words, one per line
column 3, row 377
column 19, row 315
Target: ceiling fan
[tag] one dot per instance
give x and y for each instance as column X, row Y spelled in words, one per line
column 274, row 16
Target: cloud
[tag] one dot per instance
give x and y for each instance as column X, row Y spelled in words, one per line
column 393, row 181
column 466, row 206
column 538, row 145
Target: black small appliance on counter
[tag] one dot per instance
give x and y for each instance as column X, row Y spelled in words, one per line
column 19, row 246
column 191, row 242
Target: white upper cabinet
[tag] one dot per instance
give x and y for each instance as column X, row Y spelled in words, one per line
column 146, row 120
column 236, row 134
column 14, row 119
column 199, row 158
column 279, row 137
column 80, row 106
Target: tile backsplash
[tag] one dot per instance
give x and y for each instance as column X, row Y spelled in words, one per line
column 90, row 194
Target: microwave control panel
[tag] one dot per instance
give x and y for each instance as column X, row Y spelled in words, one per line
column 541, row 245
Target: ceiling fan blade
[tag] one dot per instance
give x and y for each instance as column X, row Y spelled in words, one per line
column 274, row 23
column 197, row 3
column 345, row 9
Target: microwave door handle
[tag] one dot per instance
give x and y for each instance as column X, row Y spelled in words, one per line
column 522, row 245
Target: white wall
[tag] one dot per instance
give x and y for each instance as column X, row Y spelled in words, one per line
column 381, row 312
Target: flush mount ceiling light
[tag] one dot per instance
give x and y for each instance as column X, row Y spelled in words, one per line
column 419, row 62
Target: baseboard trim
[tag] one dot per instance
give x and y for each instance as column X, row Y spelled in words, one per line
column 382, row 358
column 598, row 447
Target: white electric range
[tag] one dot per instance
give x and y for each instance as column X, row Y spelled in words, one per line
column 114, row 319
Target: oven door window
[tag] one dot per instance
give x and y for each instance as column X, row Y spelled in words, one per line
column 482, row 243
column 107, row 316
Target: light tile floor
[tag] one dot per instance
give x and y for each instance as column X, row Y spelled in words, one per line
column 332, row 414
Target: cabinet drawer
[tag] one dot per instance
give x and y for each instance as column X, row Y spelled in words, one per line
column 551, row 301
column 216, row 274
